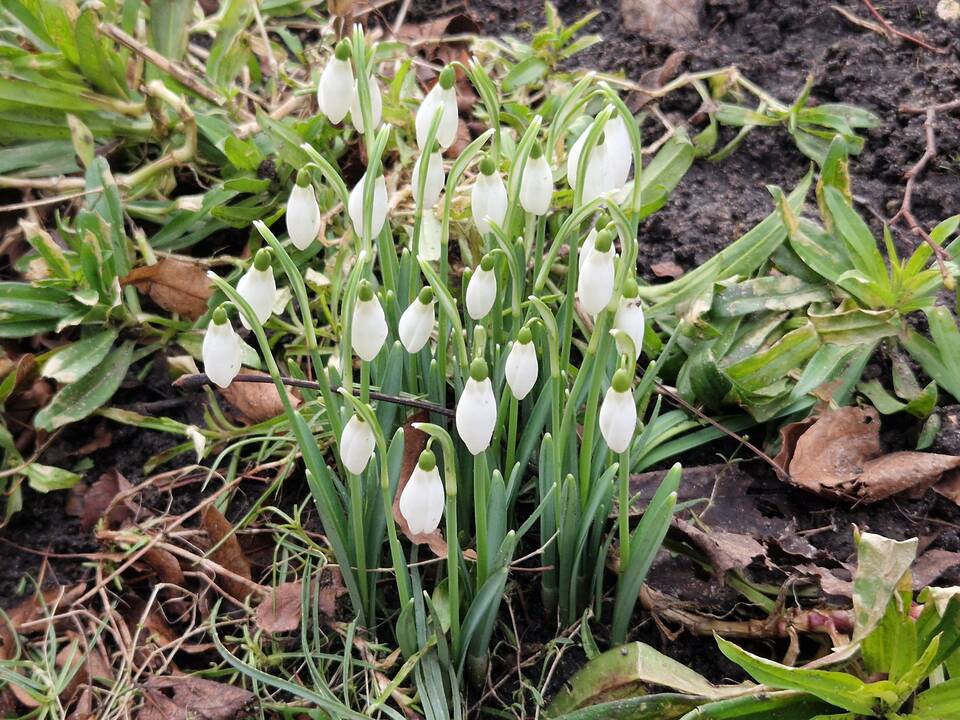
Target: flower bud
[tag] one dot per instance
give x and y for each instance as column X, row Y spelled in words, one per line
column 521, row 369
column 430, row 232
column 421, row 502
column 356, row 444
column 355, row 206
column 222, row 349
column 369, row 328
column 417, row 321
column 595, row 282
column 434, row 181
column 618, row 414
column 376, row 105
column 488, row 198
column 482, row 289
column 629, row 319
column 477, row 409
column 258, row 288
column 303, row 213
column 441, row 95
column 536, row 183
column 594, row 179
column 335, row 90
column 619, row 152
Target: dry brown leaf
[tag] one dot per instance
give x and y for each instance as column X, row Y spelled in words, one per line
column 829, row 582
column 90, row 502
column 678, row 19
column 931, row 565
column 175, row 285
column 726, row 550
column 667, row 269
column 280, row 611
column 180, row 697
column 228, row 553
column 165, row 565
column 256, row 402
column 839, row 456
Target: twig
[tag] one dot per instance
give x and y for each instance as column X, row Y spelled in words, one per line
column 198, row 380
column 899, row 33
column 860, row 22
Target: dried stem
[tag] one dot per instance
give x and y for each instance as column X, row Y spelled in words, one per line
column 892, row 31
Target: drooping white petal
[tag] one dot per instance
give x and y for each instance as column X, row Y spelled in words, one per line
column 416, row 324
column 476, row 415
column 434, row 181
column 595, row 282
column 488, row 201
column 369, row 330
column 521, row 369
column 303, row 216
column 586, row 248
column 598, row 179
column 355, row 205
column 221, row 353
column 629, row 319
column 421, row 502
column 335, row 91
column 536, row 186
column 356, row 445
column 619, row 153
column 430, row 231
column 481, row 293
column 258, row 288
column 447, row 130
column 618, row 419
column 376, row 105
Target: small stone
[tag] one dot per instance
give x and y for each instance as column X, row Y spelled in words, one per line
column 676, row 20
column 948, row 10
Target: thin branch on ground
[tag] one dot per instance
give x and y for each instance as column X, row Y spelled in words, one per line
column 892, row 31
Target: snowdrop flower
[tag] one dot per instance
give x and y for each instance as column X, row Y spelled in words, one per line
column 522, row 369
column 595, row 282
column 356, row 444
column 618, row 414
column 587, row 247
column 417, row 321
column 369, row 328
column 421, row 502
column 221, row 349
column 430, row 232
column 441, row 95
column 477, row 409
column 259, row 288
column 355, row 205
column 335, row 92
column 595, row 180
column 482, row 289
column 303, row 213
column 536, row 183
column 376, row 105
column 488, row 198
column 629, row 319
column 619, row 153
column 434, row 180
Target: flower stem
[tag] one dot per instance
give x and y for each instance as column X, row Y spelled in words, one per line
column 359, row 544
column 511, row 435
column 480, row 494
column 623, row 511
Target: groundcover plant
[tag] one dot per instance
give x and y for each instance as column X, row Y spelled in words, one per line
column 401, row 297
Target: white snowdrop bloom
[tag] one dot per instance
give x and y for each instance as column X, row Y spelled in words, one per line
column 259, row 288
column 522, row 368
column 376, row 105
column 356, row 444
column 434, row 180
column 477, row 409
column 618, row 414
column 335, row 92
column 355, row 205
column 488, row 198
column 421, row 502
column 369, row 327
column 587, row 247
column 596, row 278
column 430, row 231
column 629, row 319
column 595, row 181
column 442, row 95
column 482, row 289
column 221, row 350
column 303, row 213
column 417, row 321
column 619, row 152
column 536, row 183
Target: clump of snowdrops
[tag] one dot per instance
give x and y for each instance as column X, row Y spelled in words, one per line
column 535, row 346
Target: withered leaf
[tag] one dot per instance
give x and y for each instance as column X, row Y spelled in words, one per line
column 676, row 19
column 727, row 551
column 165, row 565
column 413, row 443
column 175, row 285
column 256, row 402
column 830, row 583
column 228, row 553
column 280, row 611
column 91, row 502
column 931, row 565
column 667, row 269
column 180, row 697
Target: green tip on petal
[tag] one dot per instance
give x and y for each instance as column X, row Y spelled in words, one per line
column 621, row 381
column 426, row 295
column 630, row 288
column 536, row 151
column 611, row 227
column 447, row 76
column 263, row 259
column 478, row 369
column 219, row 316
column 365, row 293
column 487, row 166
column 303, row 178
column 604, row 241
column 486, row 263
column 343, row 50
column 428, row 461
column 524, row 336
